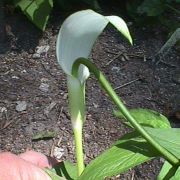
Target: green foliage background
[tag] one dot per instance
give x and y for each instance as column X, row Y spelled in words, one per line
column 141, row 11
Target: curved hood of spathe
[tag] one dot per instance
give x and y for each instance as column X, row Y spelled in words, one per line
column 77, row 36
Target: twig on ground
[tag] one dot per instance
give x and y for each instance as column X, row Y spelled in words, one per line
column 60, row 113
column 132, row 177
column 111, row 52
column 142, row 56
column 52, row 148
column 59, row 141
column 54, row 141
column 7, row 121
column 167, row 64
column 44, row 67
column 126, row 57
column 114, row 58
column 150, row 93
column 7, row 124
column 49, row 108
column 126, row 84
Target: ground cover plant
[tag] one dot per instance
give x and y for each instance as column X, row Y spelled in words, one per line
column 38, row 11
column 141, row 11
column 162, row 12
column 151, row 136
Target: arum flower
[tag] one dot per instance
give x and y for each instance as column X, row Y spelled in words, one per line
column 76, row 38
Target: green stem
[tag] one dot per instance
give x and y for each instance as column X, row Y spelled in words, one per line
column 77, row 111
column 110, row 91
column 172, row 8
column 79, row 149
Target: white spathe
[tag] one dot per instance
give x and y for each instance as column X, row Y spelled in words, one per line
column 78, row 34
column 76, row 38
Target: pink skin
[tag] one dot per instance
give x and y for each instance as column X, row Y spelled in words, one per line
column 26, row 166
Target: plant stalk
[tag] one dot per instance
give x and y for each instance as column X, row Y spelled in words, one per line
column 110, row 91
column 77, row 111
column 79, row 149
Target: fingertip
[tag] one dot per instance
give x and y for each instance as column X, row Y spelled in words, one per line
column 38, row 159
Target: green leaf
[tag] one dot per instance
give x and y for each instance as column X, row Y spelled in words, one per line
column 44, row 135
column 168, row 138
column 78, row 34
column 65, row 169
column 53, row 175
column 13, row 1
column 164, row 171
column 146, row 117
column 167, row 171
column 151, row 8
column 177, row 175
column 126, row 153
column 93, row 3
column 131, row 7
column 37, row 11
column 64, row 4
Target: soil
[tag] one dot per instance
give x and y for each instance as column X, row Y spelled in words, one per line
column 139, row 81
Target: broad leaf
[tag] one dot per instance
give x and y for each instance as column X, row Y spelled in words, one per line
column 93, row 3
column 37, row 11
column 78, row 34
column 131, row 7
column 67, row 5
column 146, row 117
column 151, row 8
column 65, row 169
column 126, row 153
column 167, row 172
column 177, row 175
column 64, row 4
column 168, row 138
column 53, row 175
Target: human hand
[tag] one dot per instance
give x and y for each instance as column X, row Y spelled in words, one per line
column 26, row 166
